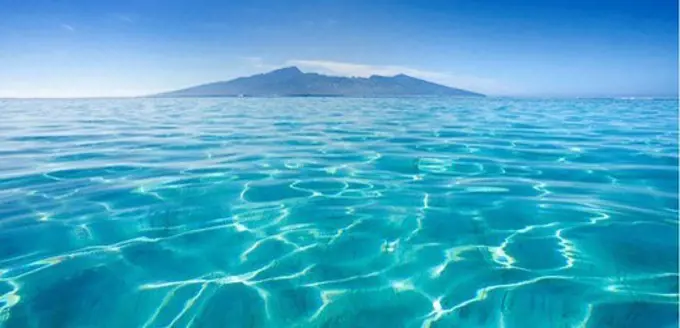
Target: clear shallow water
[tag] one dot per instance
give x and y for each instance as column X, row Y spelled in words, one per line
column 338, row 213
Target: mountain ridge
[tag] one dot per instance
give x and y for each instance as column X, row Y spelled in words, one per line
column 291, row 82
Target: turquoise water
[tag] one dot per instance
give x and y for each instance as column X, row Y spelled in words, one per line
column 339, row 213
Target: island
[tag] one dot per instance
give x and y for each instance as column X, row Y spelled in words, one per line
column 291, row 82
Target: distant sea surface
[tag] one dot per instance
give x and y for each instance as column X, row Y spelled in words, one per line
column 332, row 212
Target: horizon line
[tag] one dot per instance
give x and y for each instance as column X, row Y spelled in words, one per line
column 675, row 97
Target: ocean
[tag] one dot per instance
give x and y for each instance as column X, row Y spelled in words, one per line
column 334, row 212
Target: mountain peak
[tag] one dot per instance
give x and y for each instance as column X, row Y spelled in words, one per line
column 293, row 70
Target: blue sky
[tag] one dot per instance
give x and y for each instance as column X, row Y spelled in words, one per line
column 85, row 48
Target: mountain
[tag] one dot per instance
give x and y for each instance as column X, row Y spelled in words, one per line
column 291, row 81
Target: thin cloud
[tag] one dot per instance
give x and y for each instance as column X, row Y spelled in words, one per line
column 360, row 70
column 68, row 27
column 474, row 83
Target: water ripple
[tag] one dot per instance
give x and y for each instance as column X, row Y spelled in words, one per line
column 339, row 213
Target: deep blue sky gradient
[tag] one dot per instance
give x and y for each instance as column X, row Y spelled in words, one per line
column 58, row 48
